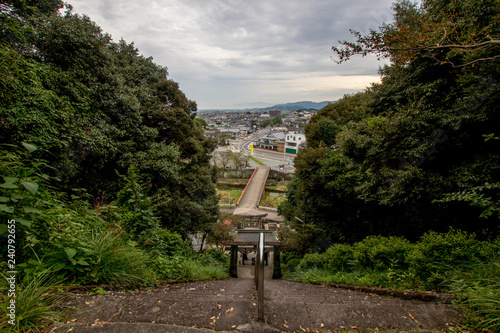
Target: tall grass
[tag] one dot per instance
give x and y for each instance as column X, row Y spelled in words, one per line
column 117, row 262
column 36, row 303
column 101, row 255
column 479, row 291
column 192, row 266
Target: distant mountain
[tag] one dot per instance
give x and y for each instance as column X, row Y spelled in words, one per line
column 254, row 105
column 298, row 106
column 259, row 106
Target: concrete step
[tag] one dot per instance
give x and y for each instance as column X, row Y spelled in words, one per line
column 231, row 304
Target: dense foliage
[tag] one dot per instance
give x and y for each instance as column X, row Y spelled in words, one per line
column 412, row 153
column 95, row 107
column 102, row 164
column 453, row 262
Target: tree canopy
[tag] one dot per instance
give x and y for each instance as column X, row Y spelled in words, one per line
column 95, row 107
column 409, row 155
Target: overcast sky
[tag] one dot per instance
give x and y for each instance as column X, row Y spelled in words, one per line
column 238, row 52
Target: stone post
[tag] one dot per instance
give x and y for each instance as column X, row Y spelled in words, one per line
column 277, row 262
column 233, row 264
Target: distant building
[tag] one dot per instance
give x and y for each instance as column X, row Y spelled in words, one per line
column 275, row 113
column 269, row 141
column 279, row 129
column 294, row 141
column 212, row 133
column 230, row 131
column 295, row 130
column 280, row 145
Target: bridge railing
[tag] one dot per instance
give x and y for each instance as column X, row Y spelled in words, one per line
column 268, row 208
column 245, row 189
column 263, row 187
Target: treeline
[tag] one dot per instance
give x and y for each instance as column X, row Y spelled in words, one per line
column 94, row 108
column 271, row 122
column 420, row 150
column 102, row 165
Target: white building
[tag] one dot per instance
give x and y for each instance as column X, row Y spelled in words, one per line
column 294, row 141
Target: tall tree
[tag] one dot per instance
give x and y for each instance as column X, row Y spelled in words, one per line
column 96, row 107
column 400, row 151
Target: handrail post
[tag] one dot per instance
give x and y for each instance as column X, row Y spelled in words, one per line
column 260, row 277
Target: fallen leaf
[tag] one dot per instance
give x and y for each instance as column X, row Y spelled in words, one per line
column 219, row 306
column 285, row 325
column 322, row 325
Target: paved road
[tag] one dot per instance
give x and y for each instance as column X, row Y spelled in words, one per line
column 269, row 157
column 230, row 305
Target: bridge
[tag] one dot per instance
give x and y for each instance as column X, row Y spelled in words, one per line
column 249, row 201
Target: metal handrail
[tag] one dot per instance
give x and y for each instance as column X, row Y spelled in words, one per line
column 259, row 277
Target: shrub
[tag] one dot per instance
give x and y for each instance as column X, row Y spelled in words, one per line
column 166, row 243
column 312, row 260
column 289, row 261
column 380, row 253
column 339, row 257
column 215, row 256
column 437, row 255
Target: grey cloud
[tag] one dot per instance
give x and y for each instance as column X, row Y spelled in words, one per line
column 225, row 44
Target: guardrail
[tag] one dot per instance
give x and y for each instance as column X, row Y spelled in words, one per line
column 268, row 208
column 227, row 205
column 259, row 277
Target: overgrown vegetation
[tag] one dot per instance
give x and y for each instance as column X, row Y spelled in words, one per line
column 62, row 240
column 453, row 262
column 408, row 159
column 102, row 165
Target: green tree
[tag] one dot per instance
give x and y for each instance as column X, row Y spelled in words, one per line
column 95, row 107
column 392, row 160
column 200, row 123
